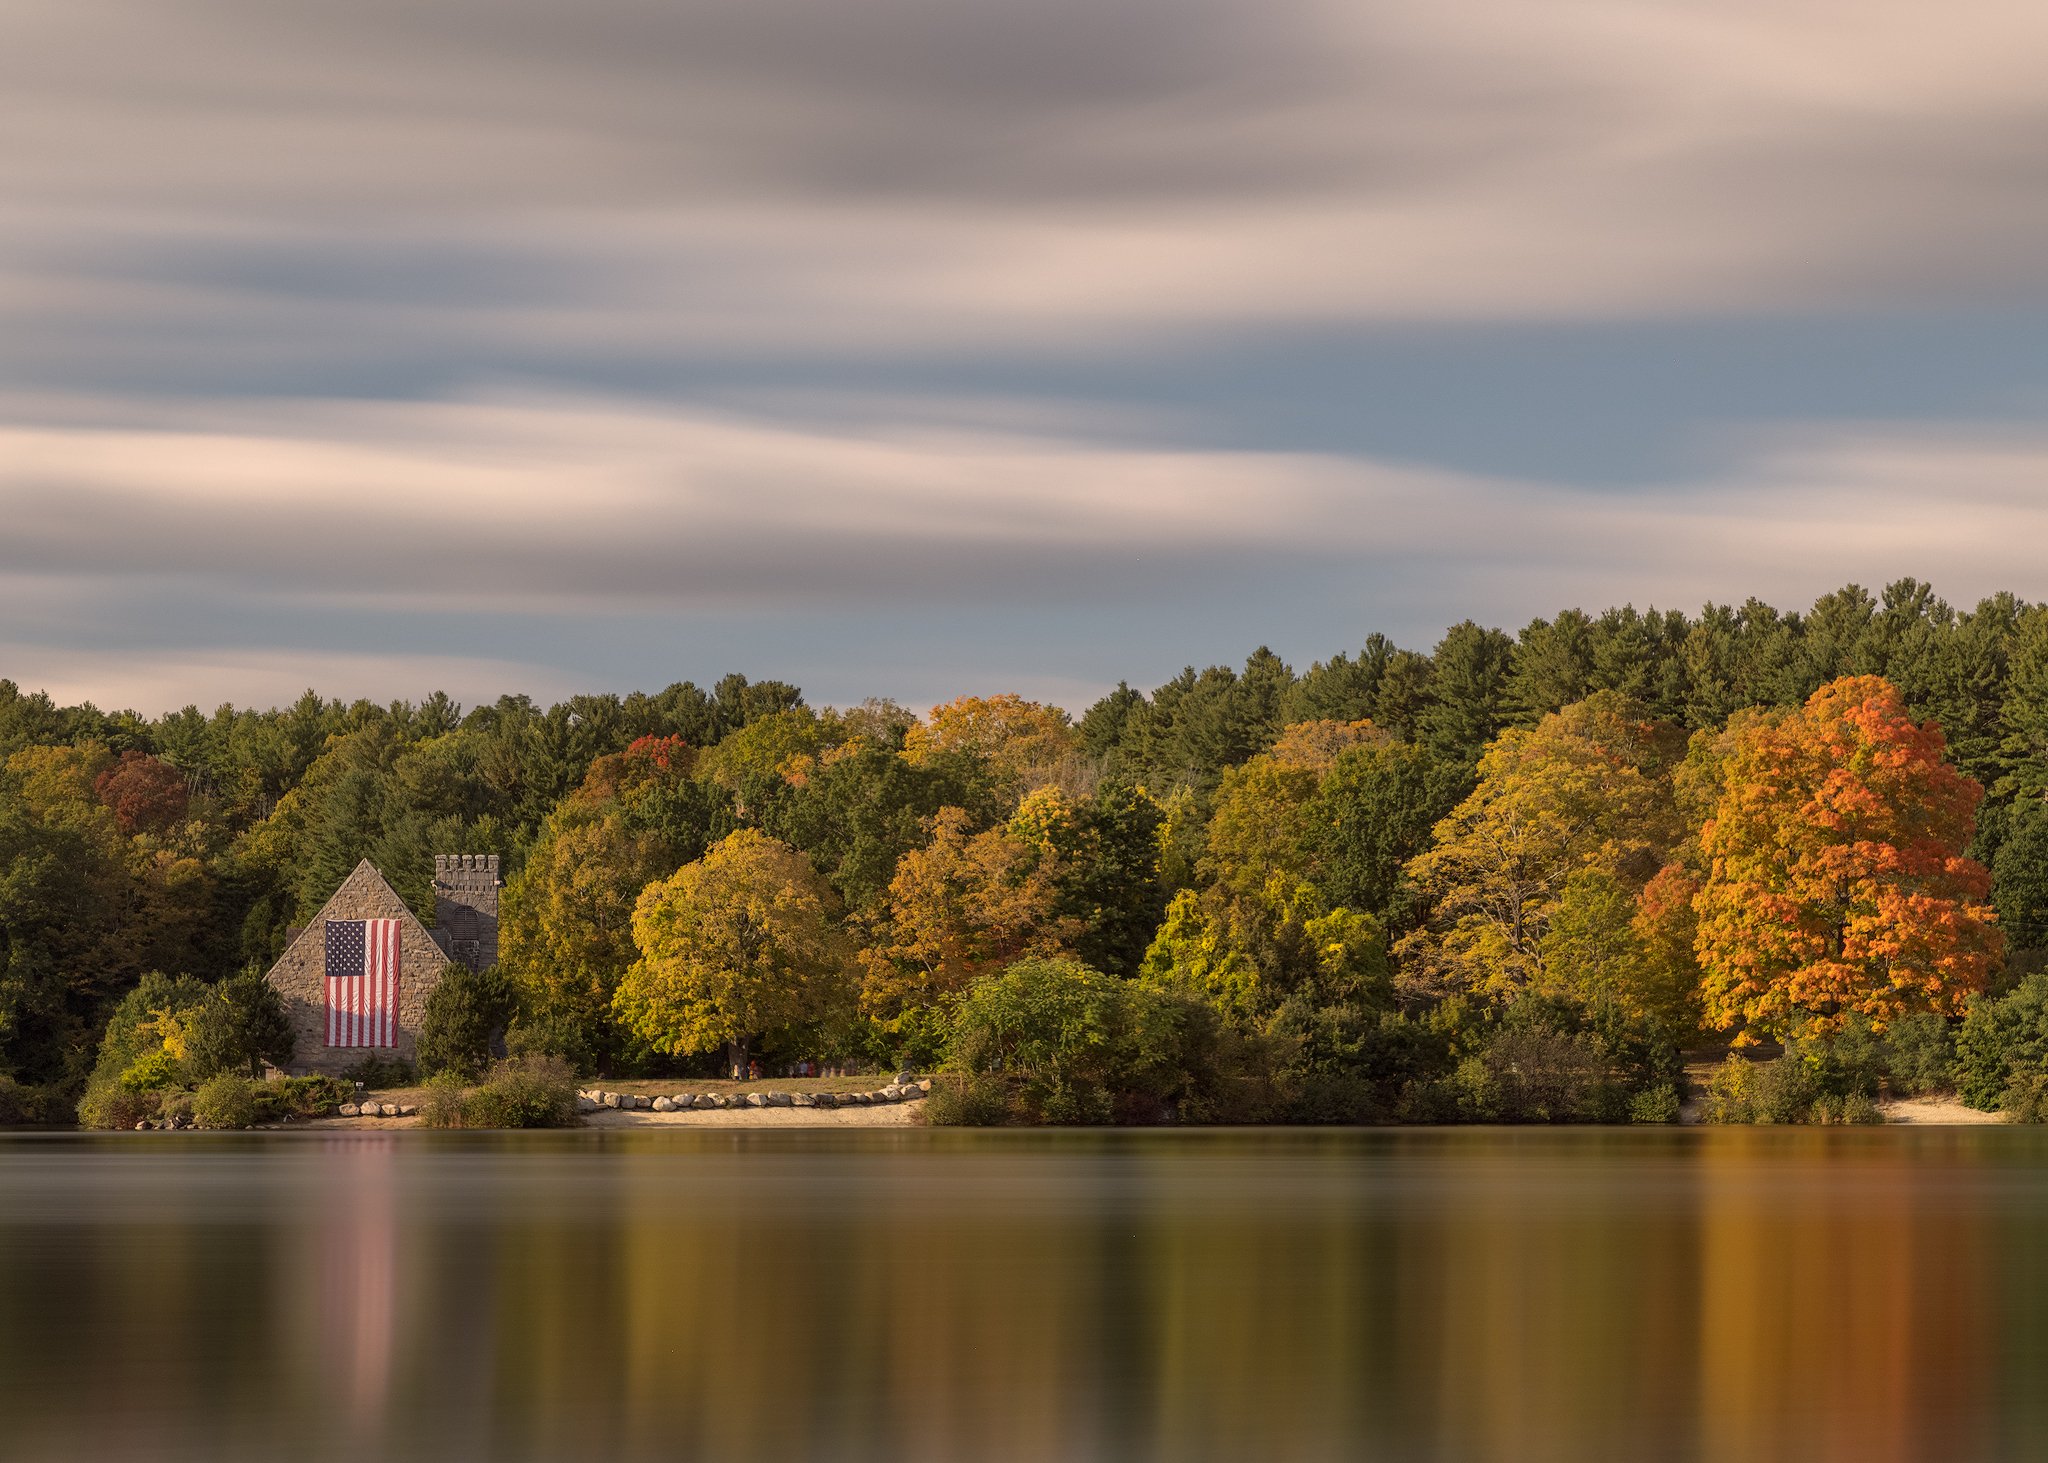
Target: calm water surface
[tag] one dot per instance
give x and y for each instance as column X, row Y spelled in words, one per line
column 1763, row 1294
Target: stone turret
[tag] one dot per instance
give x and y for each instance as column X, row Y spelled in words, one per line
column 466, row 907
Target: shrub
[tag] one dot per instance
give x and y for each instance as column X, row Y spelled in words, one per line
column 973, row 1101
column 467, row 1012
column 1784, row 1092
column 224, row 1100
column 21, row 1104
column 2025, row 1098
column 2002, row 1039
column 1860, row 1111
column 524, row 1092
column 442, row 1107
column 300, row 1097
column 1657, row 1104
column 1731, row 1091
column 1073, row 1045
column 1845, row 1062
column 143, row 1018
column 375, row 1073
column 1920, row 1055
column 239, row 1026
column 152, row 1071
column 108, row 1104
column 1540, row 1074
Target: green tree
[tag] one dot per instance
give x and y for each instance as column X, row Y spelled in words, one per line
column 467, row 1016
column 241, row 1025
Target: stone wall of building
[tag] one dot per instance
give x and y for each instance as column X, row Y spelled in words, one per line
column 466, row 907
column 301, row 972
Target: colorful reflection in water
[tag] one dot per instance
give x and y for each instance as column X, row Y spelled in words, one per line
column 1815, row 1295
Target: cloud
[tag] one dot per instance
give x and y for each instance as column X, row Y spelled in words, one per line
column 659, row 322
column 627, row 516
column 636, row 179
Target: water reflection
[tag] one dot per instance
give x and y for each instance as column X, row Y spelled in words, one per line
column 1745, row 1294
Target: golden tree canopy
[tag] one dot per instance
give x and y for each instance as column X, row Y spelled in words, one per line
column 743, row 941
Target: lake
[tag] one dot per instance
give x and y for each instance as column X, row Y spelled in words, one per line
column 1632, row 1294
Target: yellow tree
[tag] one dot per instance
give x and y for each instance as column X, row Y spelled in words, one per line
column 1260, row 827
column 1583, row 790
column 1836, row 880
column 1029, row 743
column 962, row 906
column 568, row 926
column 744, row 941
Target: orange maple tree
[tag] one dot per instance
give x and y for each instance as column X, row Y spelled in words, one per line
column 1836, row 880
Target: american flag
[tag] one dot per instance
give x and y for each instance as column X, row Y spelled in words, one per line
column 362, row 982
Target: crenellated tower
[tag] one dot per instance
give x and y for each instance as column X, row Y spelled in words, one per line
column 466, row 907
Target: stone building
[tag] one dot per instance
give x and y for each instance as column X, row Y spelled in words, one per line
column 355, row 981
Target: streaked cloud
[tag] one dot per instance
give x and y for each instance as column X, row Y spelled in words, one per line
column 730, row 331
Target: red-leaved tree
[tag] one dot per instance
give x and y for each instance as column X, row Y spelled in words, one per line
column 1836, row 880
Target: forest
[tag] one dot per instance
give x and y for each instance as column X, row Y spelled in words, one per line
column 1512, row 878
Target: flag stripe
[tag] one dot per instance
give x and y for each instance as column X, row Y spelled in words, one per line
column 362, row 982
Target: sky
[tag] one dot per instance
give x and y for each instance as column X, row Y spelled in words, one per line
column 927, row 347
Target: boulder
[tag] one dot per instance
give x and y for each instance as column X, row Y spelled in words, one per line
column 349, row 1109
column 891, row 1093
column 390, row 1109
column 408, row 1110
column 825, row 1099
column 682, row 1100
column 609, row 1099
column 587, row 1103
column 756, row 1099
column 781, row 1099
column 802, row 1099
column 141, row 1124
column 664, row 1104
column 904, row 1079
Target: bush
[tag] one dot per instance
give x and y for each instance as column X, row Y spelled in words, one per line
column 442, row 1107
column 1847, row 1062
column 973, row 1101
column 151, row 1018
column 300, row 1097
column 1920, row 1055
column 2025, row 1098
column 1731, row 1091
column 21, row 1104
column 1072, row 1045
column 1860, row 1111
column 1657, row 1104
column 152, row 1072
column 377, row 1073
column 223, row 1101
column 466, row 1014
column 239, row 1026
column 1784, row 1092
column 2000, row 1040
column 108, row 1104
column 524, row 1092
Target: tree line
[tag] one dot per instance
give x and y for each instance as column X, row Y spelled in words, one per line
column 1513, row 876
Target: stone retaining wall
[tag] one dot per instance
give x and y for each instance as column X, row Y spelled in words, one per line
column 596, row 1099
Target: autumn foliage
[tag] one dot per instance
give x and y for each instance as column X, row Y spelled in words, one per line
column 1836, row 880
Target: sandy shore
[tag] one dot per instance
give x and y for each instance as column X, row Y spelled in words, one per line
column 895, row 1115
column 1936, row 1111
